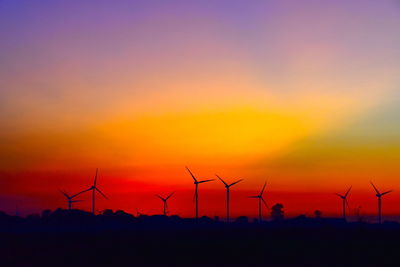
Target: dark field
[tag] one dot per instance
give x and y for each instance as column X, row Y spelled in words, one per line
column 79, row 239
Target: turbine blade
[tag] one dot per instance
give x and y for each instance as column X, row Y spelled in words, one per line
column 194, row 178
column 377, row 191
column 81, row 192
column 65, row 194
column 265, row 203
column 205, row 181
column 339, row 195
column 73, row 201
column 170, row 195
column 194, row 197
column 95, row 178
column 221, row 180
column 236, row 182
column 348, row 191
column 98, row 190
column 254, row 197
column 387, row 192
column 160, row 197
column 262, row 191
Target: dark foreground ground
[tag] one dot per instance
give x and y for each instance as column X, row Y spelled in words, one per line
column 86, row 240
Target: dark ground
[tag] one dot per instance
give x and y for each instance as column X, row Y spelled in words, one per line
column 80, row 239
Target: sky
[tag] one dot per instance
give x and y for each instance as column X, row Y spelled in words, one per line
column 301, row 94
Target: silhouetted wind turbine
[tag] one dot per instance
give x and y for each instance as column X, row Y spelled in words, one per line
column 379, row 196
column 94, row 188
column 70, row 198
column 344, row 199
column 196, row 192
column 165, row 199
column 227, row 186
column 260, row 199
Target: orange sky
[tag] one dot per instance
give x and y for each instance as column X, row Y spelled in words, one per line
column 301, row 95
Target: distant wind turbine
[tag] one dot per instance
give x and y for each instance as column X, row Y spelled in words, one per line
column 70, row 199
column 196, row 192
column 260, row 199
column 344, row 200
column 379, row 196
column 94, row 188
column 164, row 200
column 227, row 186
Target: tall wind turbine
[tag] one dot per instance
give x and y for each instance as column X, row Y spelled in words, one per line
column 379, row 196
column 344, row 200
column 70, row 199
column 260, row 199
column 227, row 186
column 165, row 199
column 94, row 188
column 196, row 192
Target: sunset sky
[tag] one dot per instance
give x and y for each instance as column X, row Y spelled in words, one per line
column 302, row 94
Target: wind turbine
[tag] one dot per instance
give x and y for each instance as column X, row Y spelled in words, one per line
column 344, row 200
column 94, row 188
column 165, row 199
column 70, row 198
column 379, row 196
column 260, row 199
column 196, row 192
column 227, row 186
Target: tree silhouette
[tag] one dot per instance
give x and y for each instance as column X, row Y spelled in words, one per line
column 277, row 213
column 318, row 214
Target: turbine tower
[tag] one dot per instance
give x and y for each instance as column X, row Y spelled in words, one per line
column 196, row 192
column 344, row 200
column 260, row 199
column 379, row 196
column 94, row 188
column 227, row 186
column 165, row 202
column 70, row 199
